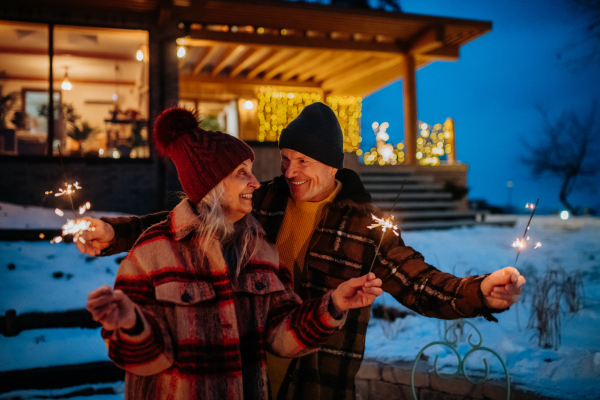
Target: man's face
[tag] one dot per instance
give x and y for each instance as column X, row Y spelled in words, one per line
column 308, row 179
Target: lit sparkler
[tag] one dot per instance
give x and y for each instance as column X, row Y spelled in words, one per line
column 385, row 224
column 59, row 212
column 84, row 207
column 520, row 243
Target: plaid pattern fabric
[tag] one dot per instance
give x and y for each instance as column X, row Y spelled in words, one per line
column 205, row 336
column 343, row 247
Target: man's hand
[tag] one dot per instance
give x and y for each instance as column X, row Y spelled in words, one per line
column 113, row 309
column 502, row 288
column 356, row 292
column 96, row 239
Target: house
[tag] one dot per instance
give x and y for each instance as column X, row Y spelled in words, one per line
column 248, row 67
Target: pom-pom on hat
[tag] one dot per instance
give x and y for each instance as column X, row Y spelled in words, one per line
column 202, row 158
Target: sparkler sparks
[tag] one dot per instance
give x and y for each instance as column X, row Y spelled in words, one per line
column 520, row 243
column 538, row 244
column 385, row 224
column 70, row 189
column 84, row 207
column 59, row 212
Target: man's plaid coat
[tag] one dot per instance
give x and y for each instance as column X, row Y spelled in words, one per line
column 205, row 334
column 343, row 247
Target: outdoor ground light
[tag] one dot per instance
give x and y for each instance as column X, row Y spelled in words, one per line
column 564, row 215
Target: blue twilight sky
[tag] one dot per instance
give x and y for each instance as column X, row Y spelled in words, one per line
column 494, row 89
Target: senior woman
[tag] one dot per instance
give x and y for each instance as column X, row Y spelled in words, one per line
column 201, row 297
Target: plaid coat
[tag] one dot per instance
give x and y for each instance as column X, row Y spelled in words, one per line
column 341, row 248
column 205, row 335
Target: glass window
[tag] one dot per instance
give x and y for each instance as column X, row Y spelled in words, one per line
column 104, row 91
column 100, row 91
column 24, row 72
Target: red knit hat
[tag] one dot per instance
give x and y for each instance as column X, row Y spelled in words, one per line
column 202, row 158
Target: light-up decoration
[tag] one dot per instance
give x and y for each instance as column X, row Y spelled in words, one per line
column 384, row 153
column 434, row 143
column 277, row 109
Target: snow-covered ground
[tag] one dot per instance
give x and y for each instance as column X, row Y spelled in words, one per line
column 571, row 372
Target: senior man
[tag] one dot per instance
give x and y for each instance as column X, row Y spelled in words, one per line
column 317, row 213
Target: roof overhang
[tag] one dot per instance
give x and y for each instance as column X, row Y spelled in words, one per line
column 334, row 50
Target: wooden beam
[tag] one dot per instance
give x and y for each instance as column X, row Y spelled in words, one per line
column 253, row 56
column 428, row 40
column 338, row 67
column 336, row 60
column 274, row 58
column 204, row 59
column 233, row 54
column 224, row 80
column 297, row 59
column 205, row 38
column 446, row 53
column 62, row 52
column 360, row 71
column 307, row 66
column 72, row 80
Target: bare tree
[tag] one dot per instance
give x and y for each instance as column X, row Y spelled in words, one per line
column 566, row 149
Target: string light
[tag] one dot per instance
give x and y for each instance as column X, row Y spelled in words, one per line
column 276, row 109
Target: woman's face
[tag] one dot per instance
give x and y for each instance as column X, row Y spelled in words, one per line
column 239, row 185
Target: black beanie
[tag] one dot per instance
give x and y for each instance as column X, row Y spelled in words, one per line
column 316, row 133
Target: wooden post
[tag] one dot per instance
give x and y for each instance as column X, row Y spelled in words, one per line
column 409, row 90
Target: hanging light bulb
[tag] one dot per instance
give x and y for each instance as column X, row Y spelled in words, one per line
column 181, row 51
column 139, row 55
column 115, row 96
column 66, row 85
column 248, row 105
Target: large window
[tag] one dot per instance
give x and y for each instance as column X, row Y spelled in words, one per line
column 100, row 91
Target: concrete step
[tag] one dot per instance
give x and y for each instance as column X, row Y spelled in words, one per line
column 372, row 187
column 393, row 178
column 416, row 205
column 415, row 196
column 448, row 215
column 427, row 225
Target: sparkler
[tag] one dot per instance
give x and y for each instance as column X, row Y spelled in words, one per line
column 72, row 227
column 385, row 224
column 520, row 244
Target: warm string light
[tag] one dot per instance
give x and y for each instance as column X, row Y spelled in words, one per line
column 276, row 109
column 433, row 145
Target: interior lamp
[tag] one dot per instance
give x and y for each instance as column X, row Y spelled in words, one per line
column 66, row 85
column 139, row 55
column 248, row 105
column 181, row 51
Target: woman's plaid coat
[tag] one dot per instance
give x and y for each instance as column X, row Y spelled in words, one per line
column 205, row 335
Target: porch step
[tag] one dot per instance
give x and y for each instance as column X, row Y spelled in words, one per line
column 422, row 204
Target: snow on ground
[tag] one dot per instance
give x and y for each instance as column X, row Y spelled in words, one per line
column 571, row 372
column 50, row 347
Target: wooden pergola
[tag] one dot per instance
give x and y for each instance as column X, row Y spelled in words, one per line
column 234, row 47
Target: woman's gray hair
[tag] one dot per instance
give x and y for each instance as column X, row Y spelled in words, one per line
column 238, row 241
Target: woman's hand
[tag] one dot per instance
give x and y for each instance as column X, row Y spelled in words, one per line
column 356, row 292
column 112, row 308
column 97, row 238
